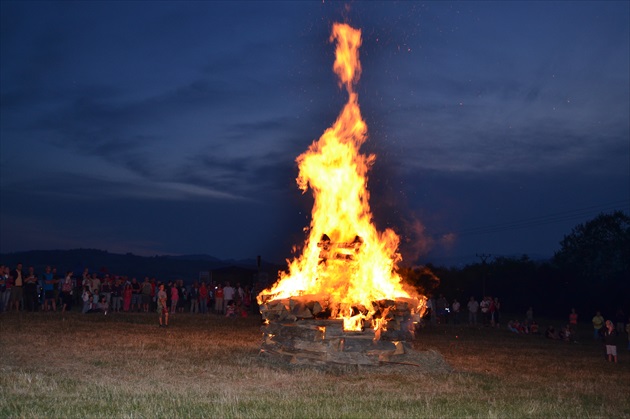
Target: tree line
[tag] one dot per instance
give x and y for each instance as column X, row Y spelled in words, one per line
column 590, row 271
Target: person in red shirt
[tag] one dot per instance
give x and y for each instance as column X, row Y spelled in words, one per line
column 218, row 300
column 203, row 298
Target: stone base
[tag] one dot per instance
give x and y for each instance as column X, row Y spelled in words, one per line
column 324, row 342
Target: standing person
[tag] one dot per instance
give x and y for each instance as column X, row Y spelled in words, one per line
column 56, row 286
column 86, row 282
column 106, row 290
column 442, row 307
column 598, row 323
column 85, row 277
column 117, row 291
column 429, row 305
column 218, row 299
column 77, row 287
column 8, row 284
column 228, row 295
column 174, row 297
column 162, row 306
column 473, row 307
column 48, row 285
column 529, row 314
column 66, row 292
column 247, row 300
column 497, row 312
column 145, row 291
column 240, row 293
column 154, row 291
column 203, row 298
column 456, row 307
column 127, row 297
column 95, row 288
column 609, row 335
column 17, row 292
column 183, row 296
column 484, row 305
column 194, row 298
column 30, row 290
column 136, row 296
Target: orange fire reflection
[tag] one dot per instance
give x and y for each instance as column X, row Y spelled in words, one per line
column 345, row 261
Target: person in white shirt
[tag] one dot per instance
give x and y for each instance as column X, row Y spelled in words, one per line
column 228, row 295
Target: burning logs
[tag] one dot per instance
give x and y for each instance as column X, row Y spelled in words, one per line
column 301, row 330
column 392, row 320
column 342, row 251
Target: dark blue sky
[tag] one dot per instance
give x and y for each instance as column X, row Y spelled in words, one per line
column 173, row 127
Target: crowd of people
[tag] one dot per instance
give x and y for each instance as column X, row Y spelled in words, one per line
column 440, row 311
column 103, row 293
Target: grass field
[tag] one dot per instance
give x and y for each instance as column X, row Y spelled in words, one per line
column 123, row 365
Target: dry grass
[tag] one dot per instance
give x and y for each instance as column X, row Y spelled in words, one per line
column 125, row 366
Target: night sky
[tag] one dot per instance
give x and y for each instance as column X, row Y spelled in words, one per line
column 166, row 128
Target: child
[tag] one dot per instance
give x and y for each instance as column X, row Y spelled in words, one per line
column 87, row 300
column 566, row 333
column 609, row 341
column 230, row 310
column 533, row 329
column 103, row 306
column 162, row 306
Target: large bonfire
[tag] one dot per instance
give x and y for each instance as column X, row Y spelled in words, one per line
column 346, row 264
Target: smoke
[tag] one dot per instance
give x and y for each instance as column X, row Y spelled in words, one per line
column 415, row 242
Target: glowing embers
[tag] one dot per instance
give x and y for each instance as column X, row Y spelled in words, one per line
column 385, row 319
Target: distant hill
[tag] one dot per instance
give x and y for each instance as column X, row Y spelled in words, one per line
column 165, row 268
column 207, row 258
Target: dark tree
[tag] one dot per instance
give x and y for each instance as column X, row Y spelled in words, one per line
column 595, row 258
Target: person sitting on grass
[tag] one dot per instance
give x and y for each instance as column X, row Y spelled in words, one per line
column 230, row 310
column 533, row 328
column 243, row 309
column 103, row 306
column 511, row 327
column 609, row 335
column 566, row 333
column 162, row 306
column 628, row 332
column 551, row 333
column 87, row 300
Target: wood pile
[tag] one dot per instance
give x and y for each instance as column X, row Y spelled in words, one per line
column 304, row 330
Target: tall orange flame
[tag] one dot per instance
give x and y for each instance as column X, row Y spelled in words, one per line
column 345, row 260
